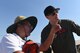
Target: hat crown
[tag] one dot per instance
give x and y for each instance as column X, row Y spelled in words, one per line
column 19, row 18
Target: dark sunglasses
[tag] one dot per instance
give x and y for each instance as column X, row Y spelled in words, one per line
column 56, row 11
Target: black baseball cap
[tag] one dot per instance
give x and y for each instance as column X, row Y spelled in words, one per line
column 50, row 9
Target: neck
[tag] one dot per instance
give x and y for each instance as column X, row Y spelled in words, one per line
column 21, row 35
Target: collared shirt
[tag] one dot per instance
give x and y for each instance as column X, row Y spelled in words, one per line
column 64, row 41
column 11, row 43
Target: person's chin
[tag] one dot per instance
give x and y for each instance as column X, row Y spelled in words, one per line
column 27, row 35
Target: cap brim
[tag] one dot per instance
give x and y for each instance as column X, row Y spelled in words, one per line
column 57, row 8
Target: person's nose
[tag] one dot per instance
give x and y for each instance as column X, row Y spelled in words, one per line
column 56, row 16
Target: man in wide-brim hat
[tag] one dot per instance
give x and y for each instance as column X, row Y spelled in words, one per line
column 13, row 41
column 22, row 27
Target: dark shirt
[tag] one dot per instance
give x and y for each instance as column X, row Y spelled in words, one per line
column 64, row 41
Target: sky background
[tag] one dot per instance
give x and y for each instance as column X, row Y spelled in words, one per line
column 10, row 9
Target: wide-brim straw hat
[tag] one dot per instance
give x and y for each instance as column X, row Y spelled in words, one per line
column 19, row 19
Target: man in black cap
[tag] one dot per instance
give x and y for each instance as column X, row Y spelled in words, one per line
column 21, row 29
column 64, row 40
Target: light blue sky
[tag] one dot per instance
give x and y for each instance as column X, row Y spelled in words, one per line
column 9, row 9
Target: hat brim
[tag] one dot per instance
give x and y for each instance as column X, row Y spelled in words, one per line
column 32, row 20
column 57, row 8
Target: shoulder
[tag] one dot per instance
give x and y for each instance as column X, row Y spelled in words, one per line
column 10, row 43
column 67, row 21
column 47, row 27
column 9, row 37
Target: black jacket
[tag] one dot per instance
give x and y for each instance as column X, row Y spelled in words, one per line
column 64, row 41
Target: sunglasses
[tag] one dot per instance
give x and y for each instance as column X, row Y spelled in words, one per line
column 56, row 11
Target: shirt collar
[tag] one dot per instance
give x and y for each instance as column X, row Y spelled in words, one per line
column 19, row 37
